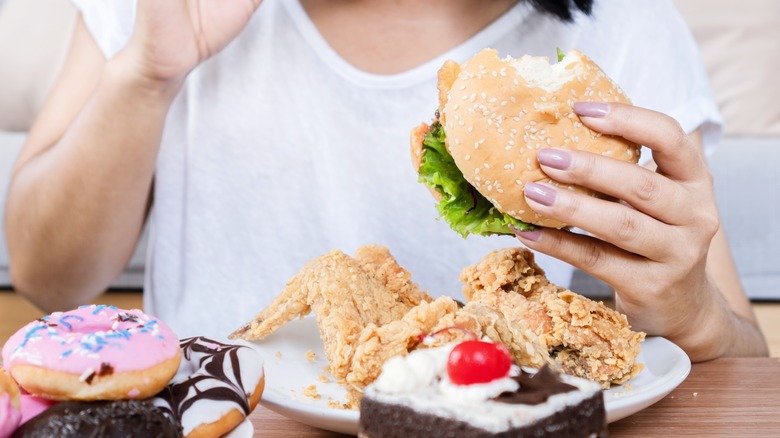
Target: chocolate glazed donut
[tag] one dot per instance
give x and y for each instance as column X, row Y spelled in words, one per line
column 216, row 387
column 125, row 419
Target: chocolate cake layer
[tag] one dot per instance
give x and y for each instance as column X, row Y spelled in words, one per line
column 383, row 420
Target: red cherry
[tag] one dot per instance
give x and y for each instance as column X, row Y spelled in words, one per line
column 478, row 362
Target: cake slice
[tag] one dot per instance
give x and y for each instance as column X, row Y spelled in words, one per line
column 439, row 392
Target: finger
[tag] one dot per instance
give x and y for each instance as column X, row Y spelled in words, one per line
column 645, row 190
column 674, row 153
column 615, row 223
column 608, row 263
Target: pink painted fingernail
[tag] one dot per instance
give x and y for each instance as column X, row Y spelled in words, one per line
column 591, row 109
column 555, row 158
column 544, row 195
column 532, row 235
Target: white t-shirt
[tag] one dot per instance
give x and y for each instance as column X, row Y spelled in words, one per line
column 277, row 150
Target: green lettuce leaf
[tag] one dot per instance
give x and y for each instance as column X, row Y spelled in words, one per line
column 561, row 54
column 461, row 206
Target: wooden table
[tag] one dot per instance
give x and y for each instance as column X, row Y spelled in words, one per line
column 724, row 397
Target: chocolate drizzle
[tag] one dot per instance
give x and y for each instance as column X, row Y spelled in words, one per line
column 211, row 382
column 535, row 388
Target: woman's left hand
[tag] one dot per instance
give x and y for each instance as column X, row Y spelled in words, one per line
column 652, row 246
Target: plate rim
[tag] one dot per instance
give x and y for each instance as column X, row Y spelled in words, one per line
column 618, row 405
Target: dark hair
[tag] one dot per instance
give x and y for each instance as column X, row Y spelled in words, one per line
column 562, row 9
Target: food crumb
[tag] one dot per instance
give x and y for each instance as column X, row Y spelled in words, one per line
column 311, row 356
column 337, row 404
column 323, row 378
column 278, row 354
column 695, row 394
column 311, row 391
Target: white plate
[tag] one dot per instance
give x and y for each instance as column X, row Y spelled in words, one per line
column 244, row 430
column 289, row 370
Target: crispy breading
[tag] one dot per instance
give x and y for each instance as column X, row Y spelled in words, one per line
column 346, row 294
column 368, row 310
column 586, row 338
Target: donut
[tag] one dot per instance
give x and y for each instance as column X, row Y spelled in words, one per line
column 120, row 418
column 10, row 407
column 95, row 352
column 216, row 387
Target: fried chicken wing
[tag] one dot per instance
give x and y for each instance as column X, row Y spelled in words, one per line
column 346, row 294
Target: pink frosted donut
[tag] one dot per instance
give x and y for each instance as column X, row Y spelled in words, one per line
column 10, row 410
column 95, row 352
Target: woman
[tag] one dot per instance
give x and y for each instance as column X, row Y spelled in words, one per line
column 256, row 140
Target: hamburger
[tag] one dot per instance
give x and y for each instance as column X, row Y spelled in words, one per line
column 494, row 115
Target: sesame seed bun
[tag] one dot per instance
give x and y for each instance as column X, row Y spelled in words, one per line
column 498, row 113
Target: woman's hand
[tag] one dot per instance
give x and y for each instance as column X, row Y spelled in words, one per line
column 652, row 246
column 172, row 37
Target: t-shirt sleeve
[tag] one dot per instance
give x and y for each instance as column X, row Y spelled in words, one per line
column 656, row 61
column 110, row 22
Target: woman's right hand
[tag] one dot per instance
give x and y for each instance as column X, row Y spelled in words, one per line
column 172, row 37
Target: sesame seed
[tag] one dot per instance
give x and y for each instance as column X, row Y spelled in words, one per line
column 467, row 157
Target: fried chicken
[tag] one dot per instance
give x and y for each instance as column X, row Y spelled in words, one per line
column 346, row 294
column 434, row 324
column 584, row 337
column 369, row 310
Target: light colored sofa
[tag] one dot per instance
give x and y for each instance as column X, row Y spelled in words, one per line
column 34, row 37
column 738, row 41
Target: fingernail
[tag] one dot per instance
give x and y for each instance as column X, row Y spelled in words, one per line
column 532, row 235
column 555, row 158
column 591, row 109
column 544, row 195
